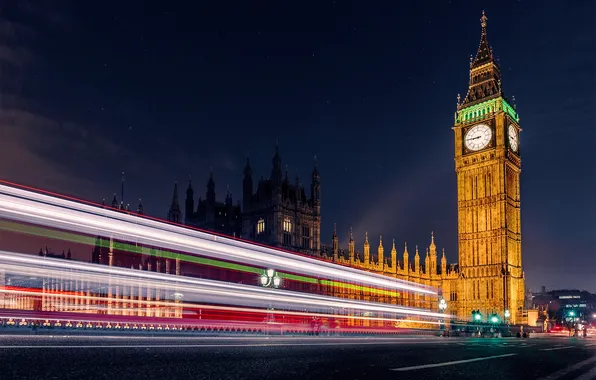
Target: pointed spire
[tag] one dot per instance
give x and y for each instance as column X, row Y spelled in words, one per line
column 122, row 189
column 115, row 201
column 334, row 229
column 485, row 53
column 393, row 247
column 351, row 234
column 444, row 253
column 485, row 74
column 247, row 168
column 433, row 247
column 140, row 206
column 175, row 194
column 417, row 254
column 380, row 240
column 366, row 238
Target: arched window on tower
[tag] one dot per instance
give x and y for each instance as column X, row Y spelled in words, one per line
column 260, row 226
column 287, row 225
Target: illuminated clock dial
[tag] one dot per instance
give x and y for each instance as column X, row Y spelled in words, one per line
column 513, row 141
column 478, row 137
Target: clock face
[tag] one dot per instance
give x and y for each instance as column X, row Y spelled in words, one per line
column 478, row 137
column 513, row 142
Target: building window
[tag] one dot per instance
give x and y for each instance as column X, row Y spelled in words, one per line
column 305, row 237
column 287, row 239
column 287, row 225
column 260, row 226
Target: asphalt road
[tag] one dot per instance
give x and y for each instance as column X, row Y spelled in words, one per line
column 63, row 357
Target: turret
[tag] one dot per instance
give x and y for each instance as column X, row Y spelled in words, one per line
column 247, row 186
column 351, row 248
column 366, row 250
column 393, row 256
column 174, row 212
column 189, row 204
column 335, row 243
column 433, row 254
column 276, row 173
column 443, row 263
column 381, row 253
column 417, row 261
column 211, row 190
column 140, row 208
column 315, row 188
column 427, row 268
column 406, row 259
column 210, row 201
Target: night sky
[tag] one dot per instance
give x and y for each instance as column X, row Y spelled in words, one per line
column 165, row 90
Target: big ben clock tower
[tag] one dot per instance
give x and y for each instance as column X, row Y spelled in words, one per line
column 488, row 166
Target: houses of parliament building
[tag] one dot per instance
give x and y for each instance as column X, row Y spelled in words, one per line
column 488, row 276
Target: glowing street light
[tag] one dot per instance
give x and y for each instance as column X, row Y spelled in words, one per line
column 507, row 314
column 270, row 279
column 442, row 305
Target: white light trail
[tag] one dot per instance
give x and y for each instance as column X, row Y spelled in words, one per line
column 194, row 289
column 55, row 212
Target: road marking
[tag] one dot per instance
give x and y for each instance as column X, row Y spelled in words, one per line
column 555, row 348
column 207, row 345
column 565, row 371
column 413, row 368
column 591, row 344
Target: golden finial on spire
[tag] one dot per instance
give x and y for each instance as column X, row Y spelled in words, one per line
column 366, row 237
column 443, row 252
column 483, row 20
column 394, row 243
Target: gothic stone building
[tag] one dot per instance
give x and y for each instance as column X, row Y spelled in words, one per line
column 431, row 272
column 279, row 213
column 221, row 217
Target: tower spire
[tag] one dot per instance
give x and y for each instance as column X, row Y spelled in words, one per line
column 485, row 75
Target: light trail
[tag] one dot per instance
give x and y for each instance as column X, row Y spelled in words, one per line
column 36, row 208
column 198, row 290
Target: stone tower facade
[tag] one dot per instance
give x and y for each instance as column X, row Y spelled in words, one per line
column 488, row 166
column 280, row 213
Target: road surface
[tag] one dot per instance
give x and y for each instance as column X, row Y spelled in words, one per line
column 80, row 357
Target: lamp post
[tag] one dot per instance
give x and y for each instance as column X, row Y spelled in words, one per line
column 507, row 315
column 270, row 279
column 442, row 308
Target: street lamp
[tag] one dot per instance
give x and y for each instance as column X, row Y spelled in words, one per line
column 507, row 314
column 442, row 308
column 270, row 279
column 442, row 305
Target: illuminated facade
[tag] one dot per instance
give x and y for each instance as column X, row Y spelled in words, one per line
column 432, row 271
column 488, row 166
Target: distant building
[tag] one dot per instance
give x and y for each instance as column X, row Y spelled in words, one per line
column 47, row 253
column 557, row 303
column 279, row 213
